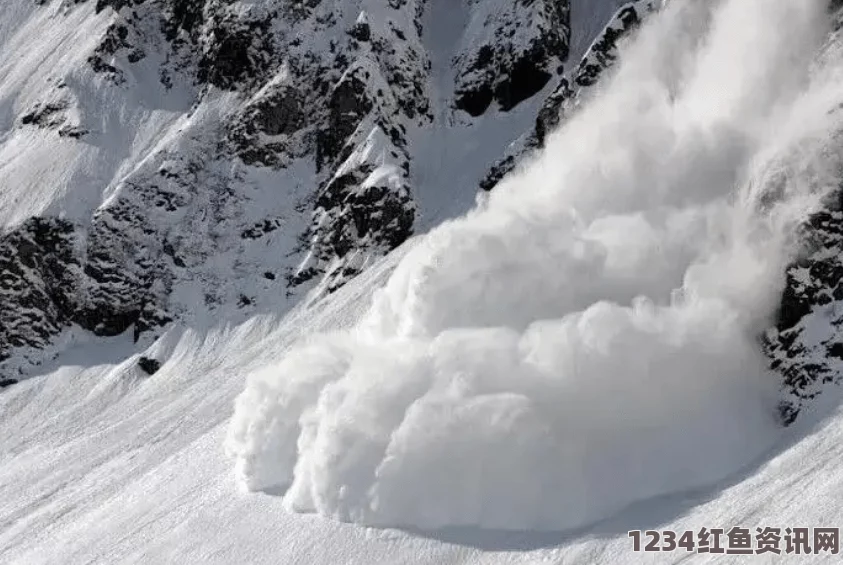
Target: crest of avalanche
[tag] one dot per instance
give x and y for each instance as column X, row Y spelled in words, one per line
column 589, row 335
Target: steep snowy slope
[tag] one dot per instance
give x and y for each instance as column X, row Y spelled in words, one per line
column 182, row 161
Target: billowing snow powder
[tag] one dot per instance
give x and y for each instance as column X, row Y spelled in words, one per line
column 588, row 337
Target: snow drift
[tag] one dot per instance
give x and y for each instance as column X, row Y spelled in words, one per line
column 588, row 336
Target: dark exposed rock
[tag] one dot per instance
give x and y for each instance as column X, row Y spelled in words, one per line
column 361, row 31
column 38, row 282
column 148, row 365
column 281, row 114
column 45, row 115
column 120, row 287
column 835, row 350
column 115, row 40
column 551, row 113
column 498, row 171
column 7, row 382
column 377, row 218
column 235, row 53
column 183, row 16
column 99, row 65
column 517, row 60
column 603, row 52
column 273, row 127
column 117, row 5
column 367, row 220
column 807, row 336
column 50, row 281
column 73, row 132
column 53, row 115
column 259, row 230
column 570, row 89
column 342, row 105
column 234, row 48
column 348, row 105
column 527, row 77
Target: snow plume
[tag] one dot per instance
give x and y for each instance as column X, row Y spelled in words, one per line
column 588, row 336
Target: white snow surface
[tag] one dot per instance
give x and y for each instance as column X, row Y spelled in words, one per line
column 598, row 313
column 45, row 174
column 580, row 343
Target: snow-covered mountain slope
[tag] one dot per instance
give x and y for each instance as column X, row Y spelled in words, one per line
column 182, row 161
column 585, row 352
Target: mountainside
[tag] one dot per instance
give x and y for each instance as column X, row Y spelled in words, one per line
column 167, row 161
column 416, row 281
column 176, row 161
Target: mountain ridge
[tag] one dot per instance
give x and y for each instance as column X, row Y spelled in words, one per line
column 332, row 122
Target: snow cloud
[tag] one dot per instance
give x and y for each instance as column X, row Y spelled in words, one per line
column 588, row 336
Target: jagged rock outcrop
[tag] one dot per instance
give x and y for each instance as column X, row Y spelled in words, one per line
column 52, row 279
column 806, row 346
column 572, row 88
column 517, row 48
column 39, row 277
column 364, row 211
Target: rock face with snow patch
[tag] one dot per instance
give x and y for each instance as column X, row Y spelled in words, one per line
column 516, row 49
column 38, row 272
column 806, row 345
column 571, row 89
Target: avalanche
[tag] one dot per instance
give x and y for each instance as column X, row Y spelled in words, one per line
column 588, row 336
column 581, row 342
